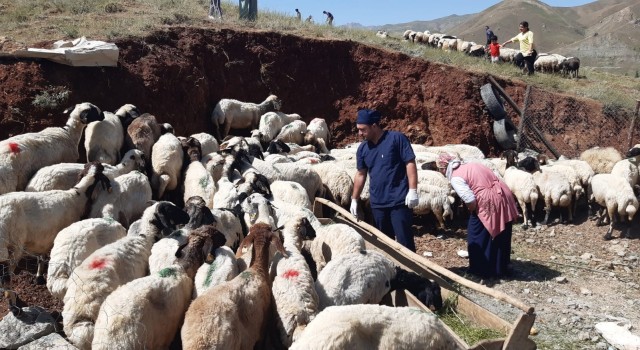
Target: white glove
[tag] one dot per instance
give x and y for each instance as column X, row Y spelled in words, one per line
column 354, row 208
column 412, row 198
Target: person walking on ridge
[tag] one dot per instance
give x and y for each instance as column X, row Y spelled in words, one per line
column 329, row 17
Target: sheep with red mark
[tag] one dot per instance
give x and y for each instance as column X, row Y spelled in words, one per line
column 22, row 155
column 146, row 313
column 234, row 315
column 30, row 221
column 112, row 266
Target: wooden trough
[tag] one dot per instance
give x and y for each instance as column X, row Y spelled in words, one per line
column 517, row 331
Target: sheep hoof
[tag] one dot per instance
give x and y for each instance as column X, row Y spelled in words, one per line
column 40, row 280
column 607, row 237
column 525, row 227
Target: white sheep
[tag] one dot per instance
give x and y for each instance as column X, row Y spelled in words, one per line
column 30, row 221
column 319, row 128
column 601, row 160
column 63, row 176
column 369, row 274
column 294, row 294
column 229, row 113
column 556, row 191
column 627, row 169
column 291, row 192
column 337, row 182
column 22, row 155
column 110, row 267
column 166, row 160
column 582, row 168
column 523, row 187
column 293, row 132
column 272, row 122
column 197, row 180
column 462, row 150
column 73, row 244
column 375, row 327
column 571, row 175
column 434, row 199
column 208, row 143
column 616, row 195
column 147, row 312
column 222, row 269
column 334, row 240
column 234, row 315
column 130, row 195
column 104, row 139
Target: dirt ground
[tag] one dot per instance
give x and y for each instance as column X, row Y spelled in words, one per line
column 179, row 74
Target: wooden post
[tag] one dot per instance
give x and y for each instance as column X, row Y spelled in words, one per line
column 517, row 109
column 633, row 125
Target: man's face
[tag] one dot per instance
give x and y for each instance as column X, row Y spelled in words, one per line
column 365, row 131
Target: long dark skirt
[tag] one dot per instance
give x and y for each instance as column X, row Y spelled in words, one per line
column 488, row 258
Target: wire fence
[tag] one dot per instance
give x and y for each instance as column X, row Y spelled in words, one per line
column 566, row 126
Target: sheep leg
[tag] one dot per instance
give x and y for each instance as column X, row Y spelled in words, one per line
column 547, row 209
column 611, row 214
column 5, row 273
column 438, row 214
column 41, row 268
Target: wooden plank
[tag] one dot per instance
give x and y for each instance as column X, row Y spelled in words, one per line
column 518, row 339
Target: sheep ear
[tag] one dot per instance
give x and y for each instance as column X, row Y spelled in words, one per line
column 179, row 251
column 245, row 243
column 278, row 243
column 66, row 111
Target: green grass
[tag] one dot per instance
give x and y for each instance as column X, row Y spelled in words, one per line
column 32, row 21
column 463, row 327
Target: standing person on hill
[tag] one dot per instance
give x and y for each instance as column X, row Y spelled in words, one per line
column 388, row 159
column 489, row 34
column 329, row 17
column 527, row 54
column 493, row 210
column 215, row 10
column 494, row 50
column 298, row 15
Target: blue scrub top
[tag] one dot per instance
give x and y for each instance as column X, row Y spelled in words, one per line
column 386, row 163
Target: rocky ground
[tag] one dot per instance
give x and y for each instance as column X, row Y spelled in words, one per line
column 572, row 277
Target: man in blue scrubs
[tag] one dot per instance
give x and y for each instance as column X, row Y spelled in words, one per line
column 389, row 160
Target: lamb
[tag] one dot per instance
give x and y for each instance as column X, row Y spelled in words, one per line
column 129, row 197
column 22, row 155
column 272, row 122
column 627, row 169
column 318, row 143
column 166, row 161
column 73, row 244
column 294, row 295
column 104, row 139
column 582, row 169
column 570, row 174
column 293, row 132
column 31, row 220
column 375, row 327
column 556, row 191
column 146, row 313
column 337, row 182
column 197, row 180
column 236, row 311
column 616, row 195
column 63, row 176
column 368, row 272
column 112, row 266
column 223, row 268
column 382, row 34
column 571, row 67
column 601, row 160
column 229, row 113
column 332, row 241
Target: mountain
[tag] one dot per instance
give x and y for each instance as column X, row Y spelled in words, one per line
column 604, row 34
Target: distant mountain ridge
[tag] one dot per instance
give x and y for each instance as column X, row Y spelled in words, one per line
column 603, row 34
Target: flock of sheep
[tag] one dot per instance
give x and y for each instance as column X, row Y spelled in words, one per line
column 161, row 237
column 545, row 62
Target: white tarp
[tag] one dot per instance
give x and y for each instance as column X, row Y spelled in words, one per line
column 80, row 52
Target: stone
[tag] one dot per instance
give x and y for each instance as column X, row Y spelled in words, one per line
column 34, row 323
column 586, row 256
column 51, row 341
column 427, row 254
column 585, row 291
column 530, row 240
column 583, row 336
column 463, row 253
column 617, row 336
column 561, row 279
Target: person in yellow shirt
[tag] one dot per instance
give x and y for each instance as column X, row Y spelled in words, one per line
column 527, row 54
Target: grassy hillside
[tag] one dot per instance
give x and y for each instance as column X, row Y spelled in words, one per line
column 36, row 21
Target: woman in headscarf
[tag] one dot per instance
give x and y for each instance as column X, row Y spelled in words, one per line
column 493, row 209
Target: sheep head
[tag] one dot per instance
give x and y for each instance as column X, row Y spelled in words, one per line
column 167, row 217
column 260, row 235
column 85, row 112
column 200, row 247
column 198, row 212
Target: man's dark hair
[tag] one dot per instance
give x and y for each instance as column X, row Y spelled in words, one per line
column 524, row 24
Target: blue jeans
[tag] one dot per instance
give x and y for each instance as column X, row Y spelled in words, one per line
column 395, row 222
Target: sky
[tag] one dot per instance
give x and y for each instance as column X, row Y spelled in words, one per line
column 378, row 12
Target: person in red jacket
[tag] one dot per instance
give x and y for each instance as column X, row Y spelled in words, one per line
column 494, row 50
